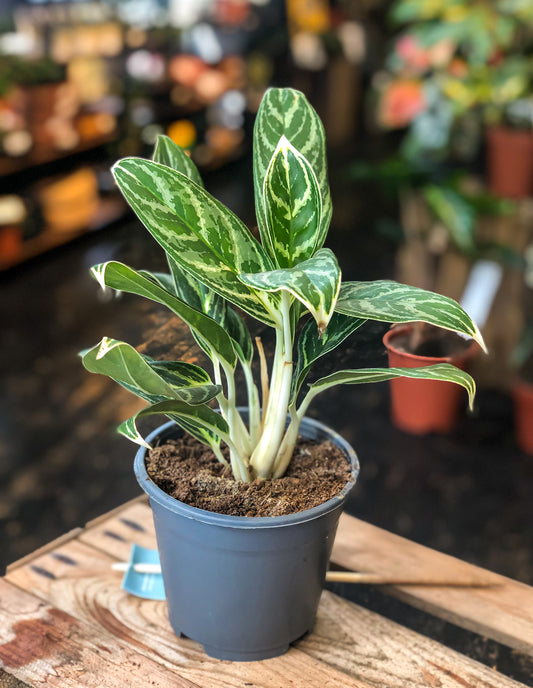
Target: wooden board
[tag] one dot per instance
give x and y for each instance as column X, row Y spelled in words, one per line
column 351, row 646
column 43, row 645
column 503, row 613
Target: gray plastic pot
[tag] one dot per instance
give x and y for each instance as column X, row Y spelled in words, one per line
column 244, row 587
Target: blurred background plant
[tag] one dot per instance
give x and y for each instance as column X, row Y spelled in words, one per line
column 455, row 68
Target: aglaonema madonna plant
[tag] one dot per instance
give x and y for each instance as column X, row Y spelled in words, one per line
column 287, row 281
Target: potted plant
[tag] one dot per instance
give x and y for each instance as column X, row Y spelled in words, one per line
column 455, row 70
column 424, row 406
column 246, row 586
column 510, row 149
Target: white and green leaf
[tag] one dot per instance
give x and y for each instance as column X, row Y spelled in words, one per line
column 311, row 346
column 187, row 287
column 179, row 373
column 443, row 372
column 170, row 154
column 206, row 425
column 198, row 232
column 123, row 278
column 388, row 301
column 314, row 282
column 121, row 362
column 293, row 206
column 287, row 112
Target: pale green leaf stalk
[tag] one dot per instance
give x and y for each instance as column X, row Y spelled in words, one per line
column 217, row 268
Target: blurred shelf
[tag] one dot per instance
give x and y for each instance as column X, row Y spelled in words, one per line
column 48, row 155
column 109, row 211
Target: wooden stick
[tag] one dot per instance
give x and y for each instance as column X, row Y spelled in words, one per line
column 383, row 579
column 354, row 577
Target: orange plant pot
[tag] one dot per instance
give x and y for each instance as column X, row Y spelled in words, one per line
column 510, row 162
column 523, row 415
column 423, row 406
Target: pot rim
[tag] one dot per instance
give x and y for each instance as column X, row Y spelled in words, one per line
column 244, row 522
column 403, row 329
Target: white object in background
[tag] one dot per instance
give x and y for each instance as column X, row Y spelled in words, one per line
column 481, row 288
column 206, row 44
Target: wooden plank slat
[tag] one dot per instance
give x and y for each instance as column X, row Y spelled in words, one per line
column 384, row 653
column 142, row 625
column 120, row 529
column 353, row 641
column 43, row 645
column 503, row 612
column 45, row 548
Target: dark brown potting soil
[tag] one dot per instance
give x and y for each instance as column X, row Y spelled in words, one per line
column 189, row 471
column 441, row 344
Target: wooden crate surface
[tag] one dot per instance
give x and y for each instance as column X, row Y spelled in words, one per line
column 64, row 621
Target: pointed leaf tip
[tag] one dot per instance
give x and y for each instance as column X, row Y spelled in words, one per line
column 97, row 271
column 479, row 339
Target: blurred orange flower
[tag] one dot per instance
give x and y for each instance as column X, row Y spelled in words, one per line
column 401, row 102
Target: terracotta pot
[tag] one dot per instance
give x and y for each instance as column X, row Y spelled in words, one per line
column 510, row 162
column 423, row 406
column 523, row 415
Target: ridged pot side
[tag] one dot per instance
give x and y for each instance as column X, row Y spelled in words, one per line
column 243, row 587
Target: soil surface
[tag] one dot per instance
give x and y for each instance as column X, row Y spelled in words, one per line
column 433, row 343
column 189, row 471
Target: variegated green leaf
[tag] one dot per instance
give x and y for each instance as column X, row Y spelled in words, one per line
column 444, row 372
column 187, row 287
column 315, row 283
column 198, row 232
column 170, row 154
column 121, row 277
column 196, row 294
column 286, row 112
column 201, row 419
column 293, row 206
column 125, row 365
column 311, row 346
column 237, row 330
column 389, row 301
column 163, row 279
column 179, row 373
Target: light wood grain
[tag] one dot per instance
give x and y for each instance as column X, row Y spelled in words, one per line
column 384, row 653
column 41, row 645
column 142, row 625
column 116, row 534
column 503, row 613
column 351, row 645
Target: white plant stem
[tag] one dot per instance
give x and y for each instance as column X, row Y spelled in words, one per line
column 265, row 453
column 254, row 410
column 218, row 453
column 237, row 429
column 286, row 449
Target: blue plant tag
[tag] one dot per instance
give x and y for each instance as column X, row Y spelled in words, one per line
column 146, row 585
